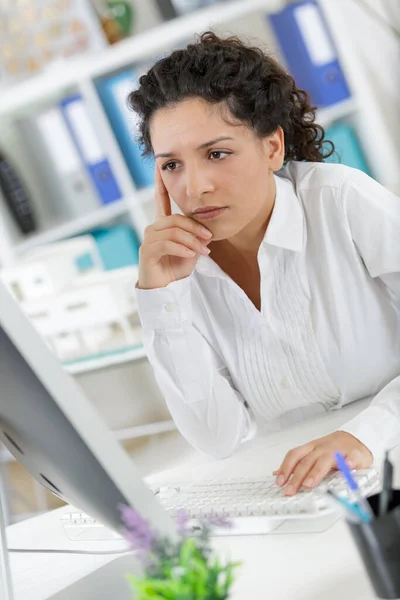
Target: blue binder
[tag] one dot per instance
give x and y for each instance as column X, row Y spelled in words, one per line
column 309, row 52
column 347, row 146
column 113, row 93
column 84, row 135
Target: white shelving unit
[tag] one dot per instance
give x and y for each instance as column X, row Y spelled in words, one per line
column 93, row 219
column 104, row 214
column 63, row 75
column 93, row 364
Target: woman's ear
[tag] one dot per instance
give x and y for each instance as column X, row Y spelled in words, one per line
column 274, row 147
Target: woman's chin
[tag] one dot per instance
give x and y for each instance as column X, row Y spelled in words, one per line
column 221, row 233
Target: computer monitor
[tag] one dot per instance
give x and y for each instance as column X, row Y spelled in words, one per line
column 50, row 427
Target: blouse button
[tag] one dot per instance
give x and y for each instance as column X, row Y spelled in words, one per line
column 169, row 307
column 285, row 384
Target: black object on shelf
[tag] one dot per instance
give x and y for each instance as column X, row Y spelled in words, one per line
column 16, row 197
column 167, row 9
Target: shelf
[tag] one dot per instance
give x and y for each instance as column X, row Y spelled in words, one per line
column 102, row 362
column 144, row 430
column 76, row 226
column 326, row 116
column 65, row 73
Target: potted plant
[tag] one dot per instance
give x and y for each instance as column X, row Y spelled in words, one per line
column 182, row 570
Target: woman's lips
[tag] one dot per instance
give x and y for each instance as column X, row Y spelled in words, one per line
column 210, row 214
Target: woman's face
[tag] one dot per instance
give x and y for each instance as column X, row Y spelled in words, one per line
column 206, row 162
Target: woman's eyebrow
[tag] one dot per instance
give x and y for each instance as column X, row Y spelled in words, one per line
column 215, row 141
column 205, row 145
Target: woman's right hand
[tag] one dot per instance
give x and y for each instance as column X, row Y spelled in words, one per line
column 172, row 245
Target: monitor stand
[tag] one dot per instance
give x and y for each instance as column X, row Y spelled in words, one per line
column 108, row 581
column 6, row 586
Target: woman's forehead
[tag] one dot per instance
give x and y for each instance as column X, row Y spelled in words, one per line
column 192, row 122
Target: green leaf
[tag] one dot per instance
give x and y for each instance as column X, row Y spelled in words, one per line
column 185, row 571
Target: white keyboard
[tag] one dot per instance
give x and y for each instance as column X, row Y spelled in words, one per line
column 255, row 506
column 241, row 499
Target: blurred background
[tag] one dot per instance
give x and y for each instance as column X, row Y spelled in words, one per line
column 75, row 194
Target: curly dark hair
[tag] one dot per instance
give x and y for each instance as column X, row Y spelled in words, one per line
column 253, row 86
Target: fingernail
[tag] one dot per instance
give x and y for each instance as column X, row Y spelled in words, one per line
column 280, row 480
column 206, row 250
column 290, row 490
column 309, row 482
column 206, row 232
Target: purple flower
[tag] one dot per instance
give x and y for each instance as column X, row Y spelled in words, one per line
column 217, row 521
column 138, row 532
column 182, row 519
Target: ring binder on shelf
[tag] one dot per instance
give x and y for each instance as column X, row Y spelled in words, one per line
column 113, row 93
column 310, row 53
column 83, row 132
column 52, row 149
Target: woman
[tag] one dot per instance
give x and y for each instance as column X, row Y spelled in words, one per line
column 275, row 295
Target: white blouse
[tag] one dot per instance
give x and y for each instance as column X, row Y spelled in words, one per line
column 328, row 332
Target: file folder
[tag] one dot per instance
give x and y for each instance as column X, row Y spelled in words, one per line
column 347, row 146
column 113, row 93
column 89, row 147
column 64, row 179
column 309, row 51
column 118, row 246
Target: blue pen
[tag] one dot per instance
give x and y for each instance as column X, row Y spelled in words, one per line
column 353, row 512
column 355, row 490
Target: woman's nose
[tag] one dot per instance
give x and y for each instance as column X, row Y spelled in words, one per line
column 197, row 184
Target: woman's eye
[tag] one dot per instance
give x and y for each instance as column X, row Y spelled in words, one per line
column 171, row 166
column 218, row 154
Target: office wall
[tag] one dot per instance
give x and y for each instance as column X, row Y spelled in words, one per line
column 379, row 49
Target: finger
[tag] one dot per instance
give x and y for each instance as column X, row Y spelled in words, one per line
column 169, row 248
column 351, row 463
column 183, row 223
column 359, row 460
column 163, row 203
column 321, row 468
column 300, row 472
column 181, row 237
column 290, row 461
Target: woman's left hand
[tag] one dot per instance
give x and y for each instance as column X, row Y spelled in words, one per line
column 307, row 465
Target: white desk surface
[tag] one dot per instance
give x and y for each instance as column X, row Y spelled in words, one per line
column 275, row 567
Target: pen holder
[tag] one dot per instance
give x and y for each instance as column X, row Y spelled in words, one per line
column 379, row 545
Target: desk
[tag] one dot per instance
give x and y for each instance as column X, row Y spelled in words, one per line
column 275, row 567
